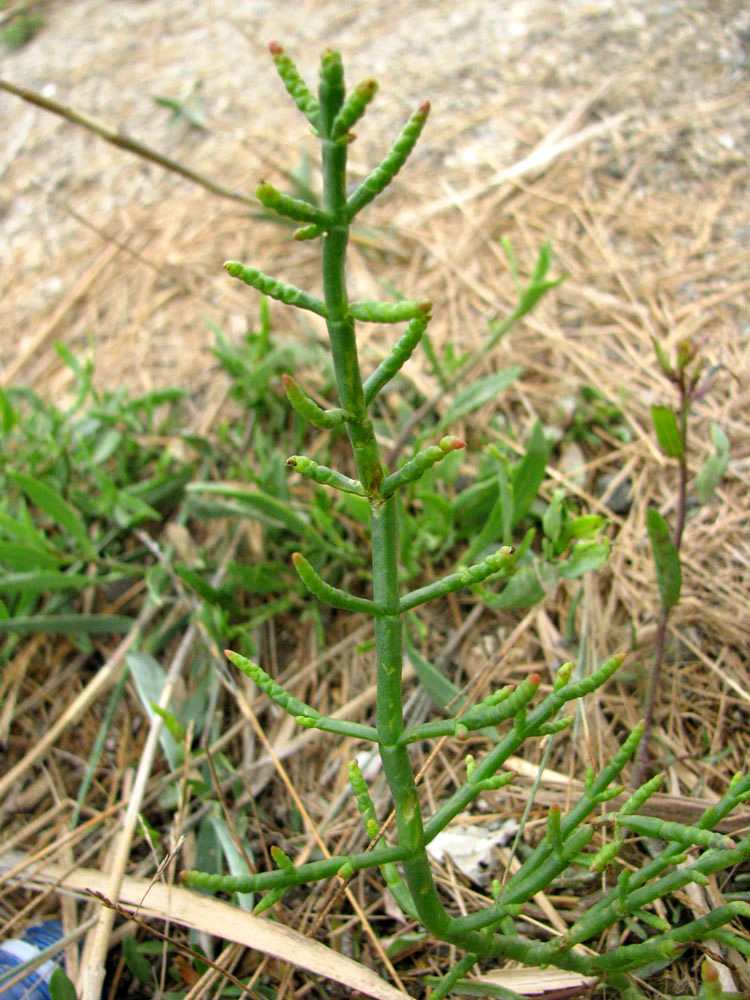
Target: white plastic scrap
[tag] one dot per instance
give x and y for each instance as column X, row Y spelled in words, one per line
column 470, row 848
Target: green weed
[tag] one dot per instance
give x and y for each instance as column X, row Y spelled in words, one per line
column 499, row 503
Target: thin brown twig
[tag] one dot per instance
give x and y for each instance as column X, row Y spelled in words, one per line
column 123, row 141
column 154, row 932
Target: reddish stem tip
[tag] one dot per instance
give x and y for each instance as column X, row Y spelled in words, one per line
column 275, row 49
column 424, row 107
column 535, row 679
column 287, row 379
column 296, row 557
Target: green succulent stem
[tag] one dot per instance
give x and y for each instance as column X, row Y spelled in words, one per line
column 490, row 932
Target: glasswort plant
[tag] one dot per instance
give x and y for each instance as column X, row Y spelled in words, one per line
column 690, row 853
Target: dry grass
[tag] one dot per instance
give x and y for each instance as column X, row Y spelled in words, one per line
column 646, row 208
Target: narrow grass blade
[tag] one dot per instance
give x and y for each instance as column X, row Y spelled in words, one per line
column 68, row 624
column 529, row 475
column 56, row 507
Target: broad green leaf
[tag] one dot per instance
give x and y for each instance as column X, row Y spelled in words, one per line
column 136, row 962
column 26, row 557
column 57, row 508
column 667, row 431
column 587, row 555
column 208, row 851
column 108, row 441
column 523, row 590
column 529, row 474
column 666, row 559
column 235, row 859
column 149, row 681
column 60, row 987
column 586, row 526
column 73, row 625
column 715, row 467
column 442, row 691
column 484, row 390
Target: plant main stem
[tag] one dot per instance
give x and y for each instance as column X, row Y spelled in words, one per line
column 383, row 524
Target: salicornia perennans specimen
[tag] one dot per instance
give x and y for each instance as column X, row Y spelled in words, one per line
column 491, row 932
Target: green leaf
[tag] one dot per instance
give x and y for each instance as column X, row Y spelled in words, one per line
column 666, row 559
column 662, row 359
column 586, row 526
column 173, row 724
column 28, row 557
column 23, row 529
column 442, row 691
column 57, row 508
column 60, row 987
column 235, row 858
column 716, row 466
column 505, row 486
column 208, row 850
column 259, row 578
column 529, row 474
column 490, row 532
column 667, row 431
column 262, row 507
column 149, row 681
column 484, row 390
column 203, row 588
column 73, row 625
column 137, row 963
column 8, row 416
column 43, row 580
column 553, row 516
column 158, row 582
column 523, row 590
column 587, row 555
column 538, row 284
